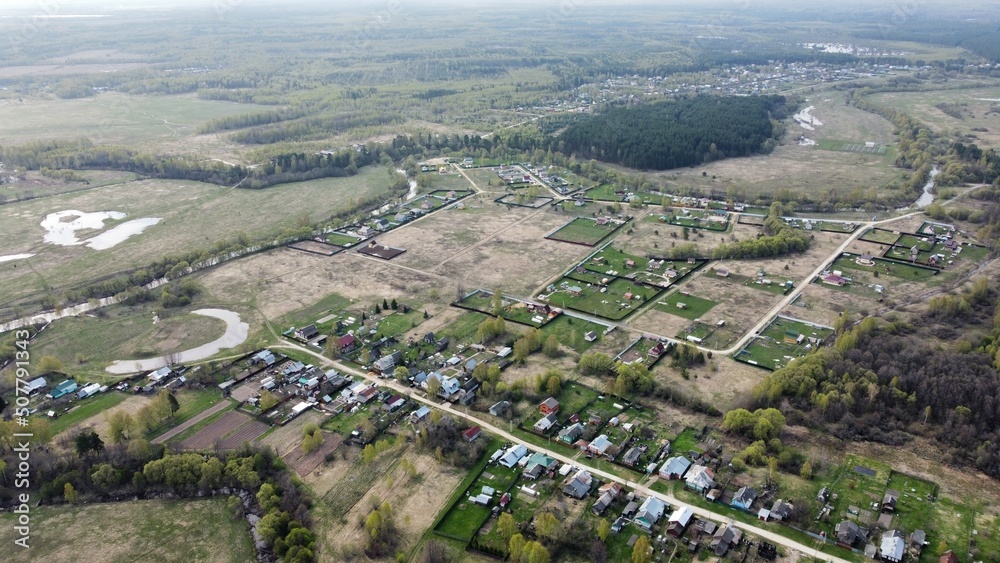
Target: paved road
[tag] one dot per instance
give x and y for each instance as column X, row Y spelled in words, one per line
column 223, row 405
column 642, row 489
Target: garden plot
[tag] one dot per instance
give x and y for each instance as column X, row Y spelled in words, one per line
column 231, row 430
column 684, row 304
column 714, row 220
column 888, row 268
column 511, row 309
column 782, row 341
column 465, row 517
column 614, row 301
column 586, row 230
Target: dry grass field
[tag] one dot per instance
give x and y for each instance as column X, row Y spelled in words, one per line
column 348, row 491
column 977, row 107
column 127, row 532
column 194, row 216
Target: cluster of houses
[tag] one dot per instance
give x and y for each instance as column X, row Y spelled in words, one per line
column 892, row 545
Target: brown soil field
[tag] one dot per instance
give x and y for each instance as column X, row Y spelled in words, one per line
column 487, row 247
column 304, row 463
column 234, row 423
column 286, row 438
column 726, row 388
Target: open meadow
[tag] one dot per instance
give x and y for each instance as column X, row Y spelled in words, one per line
column 950, row 109
column 125, row 532
column 193, row 216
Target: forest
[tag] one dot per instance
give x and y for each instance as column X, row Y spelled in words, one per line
column 890, row 380
column 685, row 132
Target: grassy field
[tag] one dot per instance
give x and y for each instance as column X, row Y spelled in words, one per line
column 194, row 216
column 114, row 118
column 87, row 408
column 87, row 345
column 887, row 267
column 771, row 349
column 583, row 230
column 971, row 104
column 880, row 236
column 694, row 307
column 144, row 530
column 609, row 304
column 570, row 332
column 465, row 518
column 341, row 239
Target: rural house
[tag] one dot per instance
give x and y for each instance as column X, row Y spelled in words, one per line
column 579, row 485
column 600, row 446
column 679, row 521
column 650, row 512
column 63, row 389
column 470, row 434
column 513, row 455
column 538, row 464
column 892, row 546
column 549, row 406
column 545, row 423
column 347, row 343
column 725, row 538
column 700, row 478
column 744, row 498
column 781, row 510
column 36, row 385
column 848, row 533
column 500, row 408
column 420, row 415
column 307, row 332
column 571, row 434
column 674, row 468
column 889, row 500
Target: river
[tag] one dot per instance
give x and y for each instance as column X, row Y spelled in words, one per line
column 927, row 198
column 413, row 185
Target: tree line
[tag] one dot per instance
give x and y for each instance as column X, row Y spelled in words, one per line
column 887, row 381
column 684, row 132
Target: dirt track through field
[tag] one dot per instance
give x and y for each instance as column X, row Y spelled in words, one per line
column 191, row 422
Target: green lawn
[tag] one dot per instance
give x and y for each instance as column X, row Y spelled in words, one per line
column 584, row 230
column 332, row 303
column 464, row 327
column 87, row 345
column 770, row 349
column 341, row 239
column 570, row 332
column 86, row 408
column 694, row 307
column 573, row 398
column 880, row 236
column 887, row 267
column 398, row 322
column 613, row 259
column 609, row 304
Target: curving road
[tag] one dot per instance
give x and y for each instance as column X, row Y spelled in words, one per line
column 236, row 334
column 768, row 535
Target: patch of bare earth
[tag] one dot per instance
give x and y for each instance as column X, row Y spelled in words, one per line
column 488, row 247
